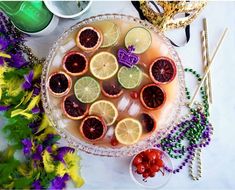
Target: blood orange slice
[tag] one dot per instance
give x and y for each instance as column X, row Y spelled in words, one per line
column 152, row 96
column 111, row 88
column 89, row 39
column 59, row 84
column 75, row 63
column 162, row 70
column 73, row 108
column 93, row 128
column 147, row 122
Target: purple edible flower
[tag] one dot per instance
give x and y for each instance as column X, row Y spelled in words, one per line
column 3, row 44
column 4, row 108
column 127, row 57
column 58, row 183
column 36, row 91
column 27, row 145
column 38, row 153
column 28, row 81
column 17, row 60
column 62, row 151
column 36, row 110
column 36, row 185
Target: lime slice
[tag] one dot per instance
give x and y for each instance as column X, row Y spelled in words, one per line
column 110, row 33
column 140, row 38
column 130, row 78
column 128, row 131
column 103, row 65
column 87, row 89
column 104, row 109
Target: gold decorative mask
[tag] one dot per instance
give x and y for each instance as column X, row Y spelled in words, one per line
column 169, row 17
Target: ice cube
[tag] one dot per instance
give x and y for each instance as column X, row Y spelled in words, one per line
column 110, row 132
column 134, row 109
column 123, row 103
column 57, row 60
column 66, row 47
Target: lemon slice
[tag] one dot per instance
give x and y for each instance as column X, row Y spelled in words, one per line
column 87, row 89
column 140, row 38
column 110, row 33
column 128, row 131
column 103, row 65
column 104, row 109
column 130, row 78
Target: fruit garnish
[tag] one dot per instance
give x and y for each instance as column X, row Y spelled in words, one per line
column 59, row 84
column 130, row 78
column 148, row 163
column 111, row 88
column 104, row 109
column 152, row 96
column 75, row 63
column 134, row 94
column 114, row 141
column 140, row 38
column 147, row 122
column 103, row 65
column 128, row 131
column 162, row 70
column 87, row 89
column 110, row 33
column 73, row 108
column 93, row 128
column 89, row 39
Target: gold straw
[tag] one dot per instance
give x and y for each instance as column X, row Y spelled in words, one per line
column 205, row 28
column 205, row 62
column 208, row 67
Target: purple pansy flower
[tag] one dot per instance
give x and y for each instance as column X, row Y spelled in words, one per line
column 58, row 183
column 28, row 81
column 17, row 60
column 36, row 91
column 3, row 44
column 4, row 108
column 38, row 153
column 27, row 145
column 62, row 151
column 36, row 110
column 36, row 185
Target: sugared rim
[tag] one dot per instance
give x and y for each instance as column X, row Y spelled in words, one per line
column 103, row 124
column 69, row 84
column 99, row 41
column 69, row 116
column 173, row 65
column 114, row 151
column 77, row 53
column 141, row 96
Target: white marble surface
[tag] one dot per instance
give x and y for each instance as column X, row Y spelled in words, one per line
column 218, row 159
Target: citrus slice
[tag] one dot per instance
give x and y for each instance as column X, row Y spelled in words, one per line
column 104, row 109
column 140, row 38
column 89, row 39
column 128, row 131
column 130, row 78
column 87, row 89
column 110, row 33
column 103, row 65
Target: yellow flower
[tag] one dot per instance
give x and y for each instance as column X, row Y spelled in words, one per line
column 48, row 162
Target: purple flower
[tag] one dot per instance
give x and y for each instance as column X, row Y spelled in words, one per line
column 62, row 151
column 27, row 145
column 38, row 153
column 4, row 108
column 36, row 110
column 1, row 61
column 3, row 44
column 36, row 185
column 36, row 91
column 58, row 183
column 17, row 60
column 28, row 81
column 34, row 125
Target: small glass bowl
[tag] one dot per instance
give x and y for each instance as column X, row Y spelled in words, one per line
column 156, row 182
